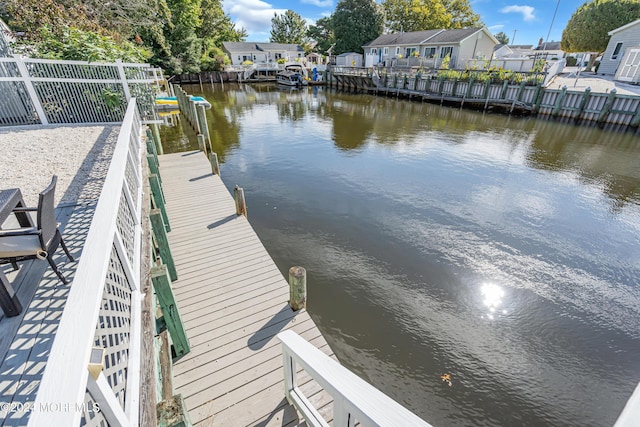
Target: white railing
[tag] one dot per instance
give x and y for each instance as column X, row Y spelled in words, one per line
column 354, row 400
column 631, row 412
column 103, row 311
column 50, row 91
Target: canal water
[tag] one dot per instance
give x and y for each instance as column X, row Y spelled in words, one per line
column 504, row 251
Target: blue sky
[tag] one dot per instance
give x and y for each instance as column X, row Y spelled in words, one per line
column 529, row 19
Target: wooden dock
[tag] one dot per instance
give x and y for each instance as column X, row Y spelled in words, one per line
column 233, row 301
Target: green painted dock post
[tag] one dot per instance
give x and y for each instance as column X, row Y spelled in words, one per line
column 558, row 106
column 156, row 138
column 635, row 122
column 241, row 205
column 215, row 165
column 607, row 106
column 170, row 312
column 537, row 99
column 454, row 87
column 470, row 88
column 297, row 288
column 583, row 103
column 151, row 144
column 153, row 166
column 521, row 90
column 158, row 199
column 505, row 86
column 163, row 243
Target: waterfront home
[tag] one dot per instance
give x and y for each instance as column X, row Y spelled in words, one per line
column 240, row 52
column 622, row 55
column 430, row 47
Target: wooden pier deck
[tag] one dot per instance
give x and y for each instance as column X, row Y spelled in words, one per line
column 233, row 301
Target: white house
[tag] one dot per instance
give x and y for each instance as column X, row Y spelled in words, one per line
column 432, row 46
column 240, row 52
column 622, row 56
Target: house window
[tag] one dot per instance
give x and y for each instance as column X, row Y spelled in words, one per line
column 374, row 51
column 409, row 51
column 446, row 50
column 385, row 52
column 397, row 51
column 429, row 52
column 616, row 51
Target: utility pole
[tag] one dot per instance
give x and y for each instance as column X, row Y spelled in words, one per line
column 514, row 37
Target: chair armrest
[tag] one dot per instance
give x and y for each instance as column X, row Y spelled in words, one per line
column 27, row 231
column 24, row 210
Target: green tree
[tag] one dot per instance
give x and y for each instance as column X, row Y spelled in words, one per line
column 216, row 27
column 356, row 23
column 186, row 47
column 502, row 37
column 418, row 15
column 322, row 34
column 288, row 27
column 587, row 28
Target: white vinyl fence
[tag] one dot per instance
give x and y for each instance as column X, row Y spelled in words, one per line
column 44, row 91
column 101, row 323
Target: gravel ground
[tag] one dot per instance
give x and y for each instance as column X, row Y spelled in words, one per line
column 78, row 154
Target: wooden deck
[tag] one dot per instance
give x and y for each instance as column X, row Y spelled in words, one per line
column 233, row 301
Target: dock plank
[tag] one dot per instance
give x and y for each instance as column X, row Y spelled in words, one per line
column 233, row 301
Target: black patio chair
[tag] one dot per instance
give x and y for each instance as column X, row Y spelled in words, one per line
column 39, row 242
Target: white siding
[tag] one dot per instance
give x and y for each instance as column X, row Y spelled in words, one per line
column 629, row 37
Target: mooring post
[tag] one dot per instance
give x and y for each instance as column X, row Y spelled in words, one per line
column 297, row 288
column 215, row 166
column 241, row 205
column 204, row 126
column 201, row 142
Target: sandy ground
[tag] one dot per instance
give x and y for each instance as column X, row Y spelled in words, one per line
column 77, row 154
column 598, row 83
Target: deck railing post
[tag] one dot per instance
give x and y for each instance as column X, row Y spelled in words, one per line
column 290, row 380
column 107, row 401
column 26, row 77
column 297, row 288
column 123, row 80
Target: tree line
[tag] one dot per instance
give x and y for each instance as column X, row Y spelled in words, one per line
column 185, row 36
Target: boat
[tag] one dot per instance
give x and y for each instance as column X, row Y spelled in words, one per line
column 292, row 76
column 171, row 102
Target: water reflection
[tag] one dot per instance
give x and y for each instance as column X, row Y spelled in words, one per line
column 414, row 220
column 492, row 295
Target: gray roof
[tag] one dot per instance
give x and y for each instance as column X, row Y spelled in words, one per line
column 426, row 36
column 414, row 37
column 260, row 47
column 453, row 36
column 549, row 46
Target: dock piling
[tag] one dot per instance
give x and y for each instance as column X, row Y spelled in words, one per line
column 241, row 205
column 215, row 166
column 297, row 288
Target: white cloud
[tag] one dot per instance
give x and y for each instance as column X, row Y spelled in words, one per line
column 319, row 3
column 526, row 11
column 254, row 15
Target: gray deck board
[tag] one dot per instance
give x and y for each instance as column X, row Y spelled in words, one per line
column 233, row 302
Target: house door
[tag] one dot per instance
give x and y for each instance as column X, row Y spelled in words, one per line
column 631, row 66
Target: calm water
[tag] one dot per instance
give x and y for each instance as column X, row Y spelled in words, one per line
column 504, row 251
